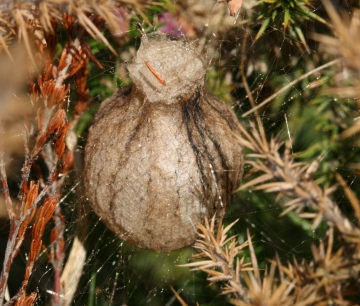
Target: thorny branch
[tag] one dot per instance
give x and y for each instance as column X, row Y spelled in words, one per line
column 330, row 277
column 282, row 174
column 221, row 252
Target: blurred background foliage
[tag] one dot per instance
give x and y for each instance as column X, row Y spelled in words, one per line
column 270, row 43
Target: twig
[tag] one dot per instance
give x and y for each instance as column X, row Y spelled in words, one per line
column 351, row 196
column 292, row 83
column 178, row 297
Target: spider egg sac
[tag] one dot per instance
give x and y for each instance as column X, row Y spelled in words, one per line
column 164, row 153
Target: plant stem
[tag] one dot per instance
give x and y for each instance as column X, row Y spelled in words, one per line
column 304, row 76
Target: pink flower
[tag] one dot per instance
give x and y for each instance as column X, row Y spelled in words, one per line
column 172, row 28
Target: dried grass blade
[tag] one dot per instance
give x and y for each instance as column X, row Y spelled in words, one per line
column 280, row 293
column 260, row 179
column 330, row 190
column 263, row 145
column 301, row 193
column 247, row 144
column 219, row 278
column 20, row 21
column 226, row 229
column 304, row 76
column 259, row 165
column 253, row 259
column 330, row 235
column 333, row 15
column 317, row 220
column 351, row 196
column 6, row 48
column 233, row 237
column 94, row 31
column 202, row 264
column 178, row 297
column 220, row 236
column 250, row 139
column 307, row 215
column 287, row 210
column 275, row 187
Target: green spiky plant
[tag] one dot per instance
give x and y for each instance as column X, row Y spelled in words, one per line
column 289, row 14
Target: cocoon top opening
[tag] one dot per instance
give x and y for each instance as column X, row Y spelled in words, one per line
column 175, row 62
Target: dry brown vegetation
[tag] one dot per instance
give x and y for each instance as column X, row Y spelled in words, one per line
column 47, row 132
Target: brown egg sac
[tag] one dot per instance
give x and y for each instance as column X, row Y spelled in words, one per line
column 164, row 153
